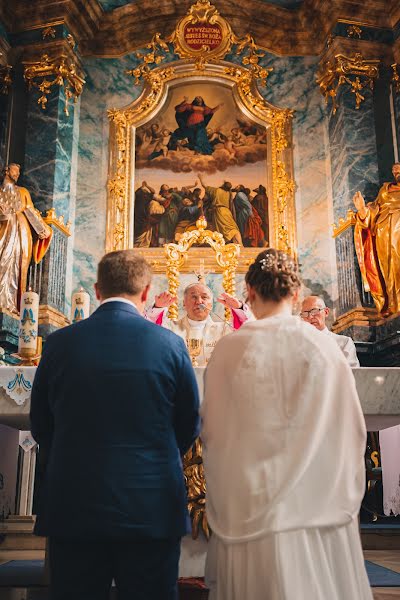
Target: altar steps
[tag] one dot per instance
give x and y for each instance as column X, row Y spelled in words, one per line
column 16, row 534
column 380, row 536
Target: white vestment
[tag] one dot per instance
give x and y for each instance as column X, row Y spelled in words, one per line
column 284, row 440
column 211, row 331
column 346, row 345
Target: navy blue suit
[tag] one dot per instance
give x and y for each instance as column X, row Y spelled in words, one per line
column 114, row 406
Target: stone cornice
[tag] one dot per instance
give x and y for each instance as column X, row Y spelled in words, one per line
column 81, row 18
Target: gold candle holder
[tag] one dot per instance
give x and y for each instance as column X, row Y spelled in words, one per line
column 28, row 357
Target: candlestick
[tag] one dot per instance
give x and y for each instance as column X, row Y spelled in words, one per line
column 80, row 306
column 28, row 329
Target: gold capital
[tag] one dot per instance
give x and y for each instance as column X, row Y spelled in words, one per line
column 354, row 71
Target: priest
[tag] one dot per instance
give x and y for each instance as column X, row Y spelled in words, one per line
column 197, row 322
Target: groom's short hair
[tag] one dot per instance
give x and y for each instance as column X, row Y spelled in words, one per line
column 122, row 272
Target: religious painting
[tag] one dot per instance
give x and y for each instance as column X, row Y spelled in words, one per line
column 201, row 155
column 200, row 145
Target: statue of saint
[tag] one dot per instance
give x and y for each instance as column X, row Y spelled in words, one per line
column 377, row 242
column 23, row 236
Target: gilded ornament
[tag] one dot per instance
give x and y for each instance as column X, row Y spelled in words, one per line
column 58, row 222
column 214, row 40
column 245, row 85
column 344, row 223
column 71, row 41
column 396, row 78
column 354, row 31
column 49, row 32
column 48, row 71
column 203, row 61
column 329, row 40
column 355, row 71
column 193, row 470
column 5, row 79
column 226, row 256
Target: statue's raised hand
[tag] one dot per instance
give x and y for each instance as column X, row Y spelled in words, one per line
column 359, row 203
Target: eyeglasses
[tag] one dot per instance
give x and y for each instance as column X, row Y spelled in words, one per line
column 305, row 314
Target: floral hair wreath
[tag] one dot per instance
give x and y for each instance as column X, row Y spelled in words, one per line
column 279, row 261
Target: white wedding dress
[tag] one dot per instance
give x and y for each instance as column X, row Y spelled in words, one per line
column 284, row 440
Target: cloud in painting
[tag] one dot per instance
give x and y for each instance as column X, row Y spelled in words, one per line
column 186, row 161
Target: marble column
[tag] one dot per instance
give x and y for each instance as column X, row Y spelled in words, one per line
column 50, row 154
column 354, row 166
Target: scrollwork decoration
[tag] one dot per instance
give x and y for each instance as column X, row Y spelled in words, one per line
column 51, row 71
column 355, row 71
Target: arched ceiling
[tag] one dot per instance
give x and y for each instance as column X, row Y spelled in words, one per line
column 112, row 4
column 112, row 28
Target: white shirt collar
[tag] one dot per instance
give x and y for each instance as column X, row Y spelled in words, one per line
column 119, row 299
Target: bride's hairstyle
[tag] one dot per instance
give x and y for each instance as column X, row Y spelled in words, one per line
column 274, row 275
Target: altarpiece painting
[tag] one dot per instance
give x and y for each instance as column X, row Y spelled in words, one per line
column 201, row 126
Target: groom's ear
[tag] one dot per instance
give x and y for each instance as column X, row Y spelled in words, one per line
column 145, row 294
column 96, row 289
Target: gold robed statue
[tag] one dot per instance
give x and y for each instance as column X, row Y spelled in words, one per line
column 23, row 235
column 377, row 242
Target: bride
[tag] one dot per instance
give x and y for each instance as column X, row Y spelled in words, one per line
column 284, row 439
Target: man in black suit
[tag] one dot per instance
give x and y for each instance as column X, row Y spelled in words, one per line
column 114, row 406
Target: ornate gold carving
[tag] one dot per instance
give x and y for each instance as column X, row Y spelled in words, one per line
column 64, row 70
column 243, row 80
column 344, row 223
column 355, row 71
column 58, row 222
column 244, row 87
column 196, row 489
column 49, row 32
column 71, row 41
column 213, row 34
column 219, row 39
column 5, row 79
column 329, row 40
column 226, row 256
column 354, row 31
column 396, row 78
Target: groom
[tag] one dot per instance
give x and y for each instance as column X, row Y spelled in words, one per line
column 114, row 406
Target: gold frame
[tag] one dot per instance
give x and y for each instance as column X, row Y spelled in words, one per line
column 226, row 256
column 124, row 121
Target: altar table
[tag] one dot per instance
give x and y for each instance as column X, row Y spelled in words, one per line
column 378, row 389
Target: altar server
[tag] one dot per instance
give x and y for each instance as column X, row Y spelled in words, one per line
column 315, row 312
column 114, row 406
column 284, row 440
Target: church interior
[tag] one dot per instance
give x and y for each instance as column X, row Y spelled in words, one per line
column 125, row 124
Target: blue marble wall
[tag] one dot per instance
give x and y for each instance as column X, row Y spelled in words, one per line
column 353, row 152
column 107, row 86
column 48, row 153
column 49, row 173
column 292, row 85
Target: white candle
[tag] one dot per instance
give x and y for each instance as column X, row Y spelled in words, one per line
column 80, row 306
column 28, row 328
